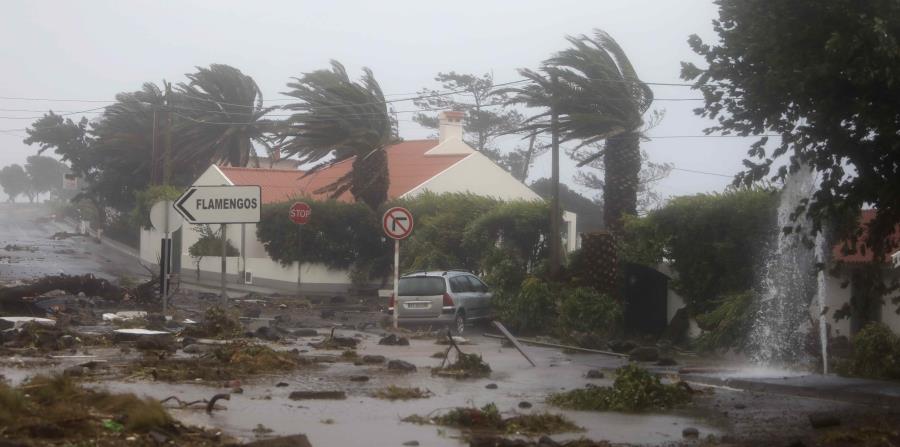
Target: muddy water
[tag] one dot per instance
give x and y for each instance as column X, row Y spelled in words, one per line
column 363, row 421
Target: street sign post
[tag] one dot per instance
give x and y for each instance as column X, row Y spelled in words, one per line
column 220, row 205
column 165, row 220
column 299, row 214
column 397, row 224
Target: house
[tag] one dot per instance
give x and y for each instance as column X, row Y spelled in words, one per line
column 444, row 165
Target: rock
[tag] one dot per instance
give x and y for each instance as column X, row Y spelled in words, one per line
column 326, row 314
column 281, row 384
column 394, row 340
column 359, row 378
column 237, row 390
column 373, row 359
column 740, row 406
column 159, row 437
column 823, row 420
column 666, row 361
column 677, row 330
column 644, row 354
column 233, row 384
column 251, row 312
column 622, row 347
column 67, row 341
column 305, row 332
column 75, row 371
column 690, row 432
column 411, row 443
column 525, row 404
column 155, row 344
column 491, row 386
column 188, row 341
column 196, row 348
column 303, row 395
column 267, row 333
column 400, row 365
column 284, row 441
column 594, row 374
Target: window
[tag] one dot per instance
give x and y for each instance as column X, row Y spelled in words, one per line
column 458, row 284
column 421, row 286
column 477, row 285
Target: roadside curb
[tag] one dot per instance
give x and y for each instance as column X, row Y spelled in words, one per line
column 842, row 394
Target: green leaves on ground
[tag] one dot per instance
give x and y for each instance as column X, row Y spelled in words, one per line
column 634, row 390
column 488, row 418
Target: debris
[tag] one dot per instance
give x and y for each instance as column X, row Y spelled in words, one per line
column 281, row 384
column 393, row 392
column 216, row 323
column 491, row 386
column 336, row 342
column 394, row 340
column 302, row 395
column 12, row 299
column 488, row 418
column 466, row 366
column 359, row 378
column 439, row 355
column 261, row 430
column 559, row 346
column 512, row 339
column 197, row 348
column 690, row 432
column 411, row 443
column 18, row 322
column 823, row 420
column 267, row 333
column 666, row 361
column 634, row 389
column 594, row 374
column 305, row 332
column 525, row 404
column 284, row 441
column 622, row 347
column 14, row 247
column 224, row 362
column 211, row 405
column 124, row 315
column 373, row 359
column 400, row 365
column 644, row 354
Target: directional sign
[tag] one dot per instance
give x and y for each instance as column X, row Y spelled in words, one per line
column 220, row 204
column 300, row 212
column 397, row 223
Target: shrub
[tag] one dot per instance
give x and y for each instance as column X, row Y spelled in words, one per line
column 876, row 354
column 728, row 325
column 583, row 309
column 532, row 309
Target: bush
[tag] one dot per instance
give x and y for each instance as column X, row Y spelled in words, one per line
column 585, row 310
column 532, row 309
column 876, row 354
column 728, row 325
column 634, row 390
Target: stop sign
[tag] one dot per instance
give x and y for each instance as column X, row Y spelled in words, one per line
column 300, row 212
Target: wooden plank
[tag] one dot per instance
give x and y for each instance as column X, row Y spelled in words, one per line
column 513, row 340
column 554, row 345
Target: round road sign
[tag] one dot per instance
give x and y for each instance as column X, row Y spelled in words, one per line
column 164, row 218
column 397, row 223
column 300, row 212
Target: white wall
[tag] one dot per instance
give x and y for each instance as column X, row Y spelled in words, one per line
column 479, row 175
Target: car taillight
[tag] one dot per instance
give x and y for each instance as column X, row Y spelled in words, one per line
column 448, row 302
column 391, row 302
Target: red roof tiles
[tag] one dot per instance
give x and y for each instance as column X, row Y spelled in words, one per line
column 408, row 166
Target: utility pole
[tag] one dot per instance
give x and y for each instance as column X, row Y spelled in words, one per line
column 555, row 242
column 167, row 150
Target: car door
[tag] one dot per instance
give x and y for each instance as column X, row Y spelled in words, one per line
column 462, row 296
column 481, row 296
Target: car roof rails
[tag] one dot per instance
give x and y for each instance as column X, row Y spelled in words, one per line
column 414, row 272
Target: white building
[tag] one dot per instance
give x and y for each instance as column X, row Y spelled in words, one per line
column 446, row 165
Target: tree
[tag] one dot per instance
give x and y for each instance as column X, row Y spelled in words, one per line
column 338, row 120
column 648, row 198
column 223, row 117
column 45, row 174
column 14, row 181
column 484, row 121
column 823, row 77
column 68, row 139
column 590, row 214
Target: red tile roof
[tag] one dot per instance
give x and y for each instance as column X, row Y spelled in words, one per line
column 861, row 255
column 408, row 166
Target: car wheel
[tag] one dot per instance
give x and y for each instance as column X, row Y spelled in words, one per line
column 459, row 323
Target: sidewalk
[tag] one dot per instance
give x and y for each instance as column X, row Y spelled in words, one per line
column 191, row 283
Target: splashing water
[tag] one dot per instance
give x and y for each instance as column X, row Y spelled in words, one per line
column 789, row 283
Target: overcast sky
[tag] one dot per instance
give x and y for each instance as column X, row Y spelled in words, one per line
column 90, row 50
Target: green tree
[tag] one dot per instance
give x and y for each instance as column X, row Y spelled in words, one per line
column 648, row 198
column 823, row 77
column 338, row 120
column 45, row 174
column 14, row 181
column 68, row 139
column 484, row 121
column 223, row 95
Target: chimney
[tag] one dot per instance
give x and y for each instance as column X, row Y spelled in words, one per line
column 451, row 126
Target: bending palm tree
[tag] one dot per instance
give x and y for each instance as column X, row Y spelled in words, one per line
column 341, row 119
column 221, row 111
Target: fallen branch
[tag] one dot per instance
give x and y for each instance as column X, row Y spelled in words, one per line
column 212, row 402
column 182, row 403
column 13, row 299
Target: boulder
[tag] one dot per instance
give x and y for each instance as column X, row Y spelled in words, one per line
column 305, row 332
column 644, row 354
column 373, row 359
column 283, row 441
column 394, row 340
column 621, row 347
column 400, row 365
column 594, row 374
column 267, row 333
column 690, row 432
column 823, row 420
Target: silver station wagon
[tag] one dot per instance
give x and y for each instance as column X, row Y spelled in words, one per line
column 445, row 297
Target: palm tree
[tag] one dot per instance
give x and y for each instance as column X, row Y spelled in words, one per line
column 338, row 119
column 221, row 116
column 605, row 100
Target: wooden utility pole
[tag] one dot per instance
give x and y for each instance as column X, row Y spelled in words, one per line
column 167, row 150
column 555, row 236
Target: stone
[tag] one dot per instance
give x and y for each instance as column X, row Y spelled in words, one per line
column 595, row 374
column 284, row 441
column 359, row 378
column 67, row 341
column 411, row 443
column 400, row 365
column 690, row 432
column 164, row 343
column 281, row 384
column 305, row 332
column 740, row 406
column 525, row 404
column 622, row 347
column 491, row 386
column 317, row 395
column 251, row 312
column 75, row 371
column 196, row 348
column 546, row 441
column 644, row 354
column 237, row 390
column 394, row 340
column 267, row 333
column 823, row 420
column 666, row 361
column 326, row 314
column 373, row 359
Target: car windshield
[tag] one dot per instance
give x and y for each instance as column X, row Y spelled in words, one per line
column 422, row 285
